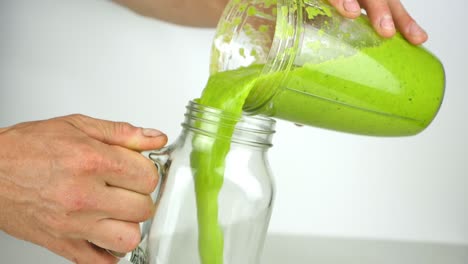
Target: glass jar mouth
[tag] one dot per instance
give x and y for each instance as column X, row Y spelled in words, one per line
column 254, row 130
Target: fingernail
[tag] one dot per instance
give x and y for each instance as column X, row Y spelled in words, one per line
column 150, row 132
column 416, row 30
column 351, row 6
column 386, row 22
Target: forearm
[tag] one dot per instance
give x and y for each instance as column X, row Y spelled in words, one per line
column 200, row 13
column 206, row 13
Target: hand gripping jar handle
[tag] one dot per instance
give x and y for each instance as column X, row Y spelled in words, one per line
column 160, row 159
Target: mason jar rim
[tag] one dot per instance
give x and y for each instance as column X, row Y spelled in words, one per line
column 254, row 130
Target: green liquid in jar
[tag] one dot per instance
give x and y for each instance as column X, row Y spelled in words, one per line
column 378, row 91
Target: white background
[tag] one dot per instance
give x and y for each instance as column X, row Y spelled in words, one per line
column 93, row 57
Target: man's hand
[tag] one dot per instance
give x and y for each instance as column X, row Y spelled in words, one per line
column 74, row 179
column 385, row 15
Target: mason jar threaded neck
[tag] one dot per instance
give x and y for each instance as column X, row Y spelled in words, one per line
column 247, row 130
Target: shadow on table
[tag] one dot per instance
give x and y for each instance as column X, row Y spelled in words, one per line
column 297, row 249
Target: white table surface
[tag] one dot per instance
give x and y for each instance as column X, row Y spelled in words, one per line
column 289, row 249
column 281, row 249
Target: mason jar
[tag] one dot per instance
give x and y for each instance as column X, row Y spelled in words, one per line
column 317, row 68
column 216, row 192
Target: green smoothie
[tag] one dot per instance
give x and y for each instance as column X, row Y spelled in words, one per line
column 209, row 153
column 393, row 89
column 377, row 91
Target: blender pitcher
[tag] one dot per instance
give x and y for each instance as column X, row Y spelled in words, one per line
column 320, row 69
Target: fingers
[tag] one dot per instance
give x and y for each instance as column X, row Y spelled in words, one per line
column 406, row 24
column 123, row 180
column 347, row 8
column 76, row 250
column 386, row 16
column 380, row 16
column 119, row 133
column 112, row 223
column 130, row 170
column 127, row 206
column 81, row 251
column 115, row 235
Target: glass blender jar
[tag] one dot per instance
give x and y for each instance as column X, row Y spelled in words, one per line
column 320, row 69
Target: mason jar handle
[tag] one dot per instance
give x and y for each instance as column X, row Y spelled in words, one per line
column 160, row 159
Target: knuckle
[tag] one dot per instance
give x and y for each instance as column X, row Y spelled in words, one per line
column 88, row 160
column 132, row 238
column 75, row 201
column 124, row 128
column 151, row 176
column 145, row 174
column 147, row 209
column 115, row 166
column 74, row 197
column 75, row 119
column 407, row 21
column 153, row 183
column 76, row 116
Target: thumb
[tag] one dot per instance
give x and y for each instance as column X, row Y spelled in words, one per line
column 119, row 133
